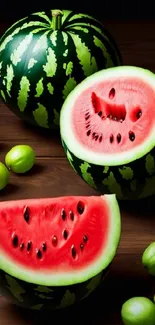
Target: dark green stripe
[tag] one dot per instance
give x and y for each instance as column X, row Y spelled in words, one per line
column 42, row 16
column 84, row 55
column 67, row 19
column 72, row 57
column 107, row 59
column 95, row 51
column 37, row 24
column 88, row 20
column 84, row 20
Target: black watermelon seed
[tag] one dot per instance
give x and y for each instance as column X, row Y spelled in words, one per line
column 100, row 113
column 73, row 251
column 88, row 125
column 112, row 93
column 80, row 207
column 54, row 240
column 100, row 138
column 15, row 240
column 38, row 253
column 29, row 245
column 131, row 136
column 96, row 137
column 111, row 138
column 88, row 132
column 87, row 117
column 44, row 247
column 71, row 215
column 118, row 137
column 85, row 238
column 65, row 234
column 63, row 214
column 93, row 135
column 27, row 214
column 87, row 114
column 81, row 246
column 21, row 246
column 139, row 114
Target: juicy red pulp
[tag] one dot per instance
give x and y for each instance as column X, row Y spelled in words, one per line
column 107, row 109
column 59, row 233
column 114, row 115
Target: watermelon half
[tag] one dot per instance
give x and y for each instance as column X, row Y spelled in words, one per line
column 56, row 251
column 108, row 131
column 45, row 55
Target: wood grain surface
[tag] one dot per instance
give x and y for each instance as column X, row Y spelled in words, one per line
column 53, row 176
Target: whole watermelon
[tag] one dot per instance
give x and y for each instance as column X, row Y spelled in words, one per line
column 45, row 55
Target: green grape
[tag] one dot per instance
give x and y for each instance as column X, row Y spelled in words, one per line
column 148, row 258
column 138, row 311
column 20, row 159
column 4, row 176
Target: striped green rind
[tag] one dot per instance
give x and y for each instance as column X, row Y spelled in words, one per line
column 131, row 181
column 38, row 297
column 53, row 62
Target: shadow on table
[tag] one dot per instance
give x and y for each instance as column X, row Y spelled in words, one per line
column 94, row 311
column 102, row 307
column 9, row 189
column 47, row 133
column 35, row 170
column 140, row 208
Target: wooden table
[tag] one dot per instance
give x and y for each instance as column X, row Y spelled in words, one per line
column 53, row 176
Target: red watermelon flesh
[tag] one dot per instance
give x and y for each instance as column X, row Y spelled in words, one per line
column 52, row 237
column 115, row 114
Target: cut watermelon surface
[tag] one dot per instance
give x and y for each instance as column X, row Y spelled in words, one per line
column 55, row 243
column 108, row 131
column 116, row 115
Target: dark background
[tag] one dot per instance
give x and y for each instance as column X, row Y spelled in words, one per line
column 106, row 10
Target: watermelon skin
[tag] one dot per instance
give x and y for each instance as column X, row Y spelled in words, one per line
column 39, row 66
column 131, row 181
column 38, row 297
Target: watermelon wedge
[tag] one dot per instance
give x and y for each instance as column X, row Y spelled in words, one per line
column 108, row 131
column 56, row 251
